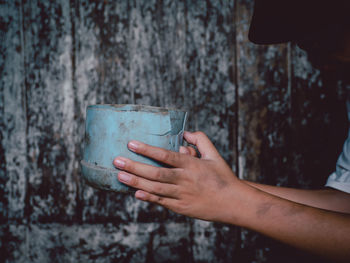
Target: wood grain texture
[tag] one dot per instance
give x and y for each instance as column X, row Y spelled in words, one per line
column 97, row 243
column 264, row 104
column 264, row 117
column 14, row 112
column 50, row 105
column 273, row 117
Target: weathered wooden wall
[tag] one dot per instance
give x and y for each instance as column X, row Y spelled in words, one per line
column 273, row 117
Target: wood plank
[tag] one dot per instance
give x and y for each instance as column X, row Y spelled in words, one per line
column 13, row 242
column 264, row 101
column 109, row 242
column 133, row 242
column 102, row 64
column 3, row 174
column 13, row 111
column 146, row 51
column 209, row 75
column 264, row 112
column 50, row 110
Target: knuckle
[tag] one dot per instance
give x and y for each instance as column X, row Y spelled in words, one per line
column 176, row 192
column 134, row 181
column 173, row 176
column 128, row 165
column 159, row 174
column 157, row 189
column 159, row 200
column 183, row 149
column 165, row 156
column 166, row 175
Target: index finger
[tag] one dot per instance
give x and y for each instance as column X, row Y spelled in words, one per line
column 171, row 158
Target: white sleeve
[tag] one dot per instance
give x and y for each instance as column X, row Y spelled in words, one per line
column 340, row 179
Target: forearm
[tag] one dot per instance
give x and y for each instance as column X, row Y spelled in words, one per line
column 329, row 199
column 319, row 231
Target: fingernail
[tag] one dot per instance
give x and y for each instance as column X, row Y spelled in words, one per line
column 119, row 163
column 140, row 195
column 183, row 150
column 133, row 145
column 186, row 133
column 124, row 177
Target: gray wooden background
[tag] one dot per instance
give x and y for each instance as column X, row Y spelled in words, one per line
column 273, row 117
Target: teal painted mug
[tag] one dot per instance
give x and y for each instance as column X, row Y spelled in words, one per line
column 108, row 129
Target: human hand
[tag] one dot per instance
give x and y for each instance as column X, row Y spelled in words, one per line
column 195, row 187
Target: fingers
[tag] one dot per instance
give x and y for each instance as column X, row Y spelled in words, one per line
column 159, row 154
column 163, row 189
column 192, row 151
column 184, row 150
column 150, row 172
column 188, row 150
column 203, row 144
column 169, row 203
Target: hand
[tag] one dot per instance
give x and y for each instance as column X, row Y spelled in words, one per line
column 196, row 187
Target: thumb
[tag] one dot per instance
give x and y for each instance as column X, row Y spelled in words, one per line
column 203, row 144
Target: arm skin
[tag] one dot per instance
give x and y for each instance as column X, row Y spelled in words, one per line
column 207, row 189
column 328, row 198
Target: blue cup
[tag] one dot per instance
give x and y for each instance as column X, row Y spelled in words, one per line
column 109, row 128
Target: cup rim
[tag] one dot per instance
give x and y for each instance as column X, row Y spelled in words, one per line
column 134, row 107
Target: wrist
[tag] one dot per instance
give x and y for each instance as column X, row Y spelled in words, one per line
column 237, row 204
